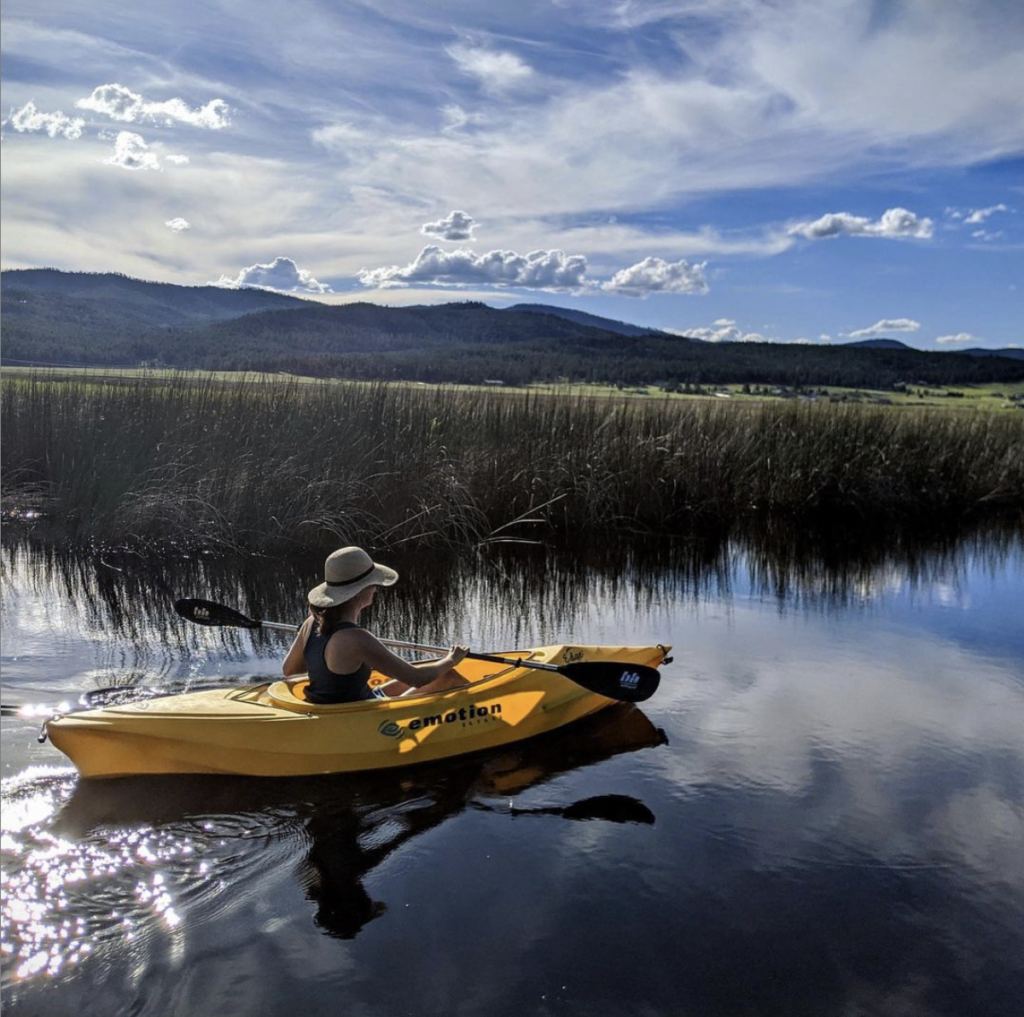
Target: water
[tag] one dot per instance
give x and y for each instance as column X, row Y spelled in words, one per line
column 820, row 812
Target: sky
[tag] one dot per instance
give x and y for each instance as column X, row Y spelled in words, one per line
column 818, row 171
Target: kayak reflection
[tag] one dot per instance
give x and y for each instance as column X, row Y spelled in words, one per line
column 352, row 823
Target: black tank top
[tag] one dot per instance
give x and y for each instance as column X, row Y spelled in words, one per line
column 325, row 685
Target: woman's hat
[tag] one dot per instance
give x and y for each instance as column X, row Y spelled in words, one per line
column 348, row 571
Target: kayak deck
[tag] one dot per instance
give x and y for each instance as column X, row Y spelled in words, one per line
column 268, row 729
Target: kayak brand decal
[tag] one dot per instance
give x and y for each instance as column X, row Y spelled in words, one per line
column 629, row 680
column 463, row 715
column 571, row 656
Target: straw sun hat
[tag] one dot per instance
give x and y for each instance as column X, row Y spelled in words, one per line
column 348, row 571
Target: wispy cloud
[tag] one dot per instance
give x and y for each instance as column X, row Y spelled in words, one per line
column 121, row 103
column 28, row 119
column 497, row 71
column 894, row 224
column 655, row 275
column 884, row 326
column 178, row 225
column 545, row 270
column 455, row 225
column 280, row 274
column 959, row 337
column 979, row 215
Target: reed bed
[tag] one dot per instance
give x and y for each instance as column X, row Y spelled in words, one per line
column 278, row 465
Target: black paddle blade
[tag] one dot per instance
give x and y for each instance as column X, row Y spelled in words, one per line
column 628, row 683
column 610, row 808
column 206, row 612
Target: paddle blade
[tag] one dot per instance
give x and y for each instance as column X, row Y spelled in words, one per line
column 206, row 612
column 628, row 683
column 610, row 808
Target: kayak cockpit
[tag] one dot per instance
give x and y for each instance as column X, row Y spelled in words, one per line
column 290, row 693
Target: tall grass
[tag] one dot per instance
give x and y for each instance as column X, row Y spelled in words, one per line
column 288, row 464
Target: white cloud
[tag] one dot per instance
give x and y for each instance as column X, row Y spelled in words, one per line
column 132, row 153
column 280, row 274
column 455, row 118
column 987, row 235
column 722, row 330
column 28, row 119
column 178, row 160
column 121, row 103
column 498, row 71
column 959, row 337
column 979, row 215
column 178, row 225
column 895, row 223
column 883, row 326
column 455, row 225
column 655, row 275
column 547, row 270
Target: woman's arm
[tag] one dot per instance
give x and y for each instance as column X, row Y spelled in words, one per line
column 295, row 662
column 381, row 659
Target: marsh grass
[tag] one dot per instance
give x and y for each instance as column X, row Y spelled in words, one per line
column 258, row 465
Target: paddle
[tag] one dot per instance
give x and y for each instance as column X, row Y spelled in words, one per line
column 627, row 683
column 610, row 808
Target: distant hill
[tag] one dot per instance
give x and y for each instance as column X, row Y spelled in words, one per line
column 1006, row 351
column 159, row 303
column 591, row 320
column 879, row 344
column 53, row 317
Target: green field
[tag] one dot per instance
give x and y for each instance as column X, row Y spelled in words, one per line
column 1001, row 397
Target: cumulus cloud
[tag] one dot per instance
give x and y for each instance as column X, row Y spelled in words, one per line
column 883, row 326
column 454, row 226
column 498, row 71
column 655, row 275
column 959, row 337
column 545, row 270
column 723, row 330
column 895, row 223
column 178, row 160
column 178, row 225
column 28, row 119
column 121, row 103
column 281, row 274
column 132, row 153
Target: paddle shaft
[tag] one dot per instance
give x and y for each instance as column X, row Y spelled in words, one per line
column 422, row 647
column 401, row 644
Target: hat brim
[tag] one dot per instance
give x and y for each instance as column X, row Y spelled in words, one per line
column 331, row 596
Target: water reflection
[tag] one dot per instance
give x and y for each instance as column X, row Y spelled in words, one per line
column 91, row 864
column 836, row 818
column 531, row 591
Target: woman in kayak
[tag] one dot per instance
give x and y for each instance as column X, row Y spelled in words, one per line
column 338, row 654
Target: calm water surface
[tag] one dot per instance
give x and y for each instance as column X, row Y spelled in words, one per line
column 821, row 811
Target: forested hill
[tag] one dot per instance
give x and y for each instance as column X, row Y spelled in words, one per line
column 52, row 317
column 590, row 320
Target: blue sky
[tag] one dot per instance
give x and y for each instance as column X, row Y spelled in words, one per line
column 814, row 170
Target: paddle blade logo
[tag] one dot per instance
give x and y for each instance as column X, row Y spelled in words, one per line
column 629, row 680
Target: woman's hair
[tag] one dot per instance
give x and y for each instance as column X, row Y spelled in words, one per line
column 327, row 619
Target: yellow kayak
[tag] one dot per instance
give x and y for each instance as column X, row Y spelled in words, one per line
column 270, row 730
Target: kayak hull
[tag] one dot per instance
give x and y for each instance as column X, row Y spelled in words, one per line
column 269, row 730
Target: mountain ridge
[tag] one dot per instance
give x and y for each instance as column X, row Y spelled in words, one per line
column 105, row 318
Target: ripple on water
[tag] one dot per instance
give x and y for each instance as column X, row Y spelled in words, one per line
column 70, row 889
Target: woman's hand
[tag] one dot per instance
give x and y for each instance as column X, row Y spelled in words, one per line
column 456, row 654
